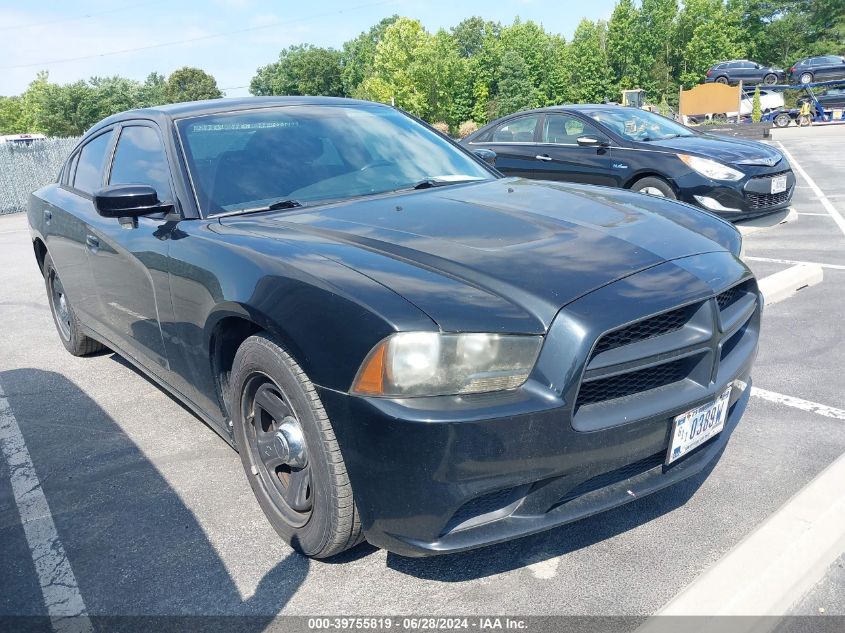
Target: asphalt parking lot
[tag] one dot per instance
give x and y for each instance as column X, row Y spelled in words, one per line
column 154, row 514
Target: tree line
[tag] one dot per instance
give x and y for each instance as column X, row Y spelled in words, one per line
column 479, row 69
column 70, row 109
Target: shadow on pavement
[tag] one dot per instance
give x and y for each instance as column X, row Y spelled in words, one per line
column 134, row 547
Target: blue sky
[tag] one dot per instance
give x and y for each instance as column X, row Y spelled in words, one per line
column 169, row 34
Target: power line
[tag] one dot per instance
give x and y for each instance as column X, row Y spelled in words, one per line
column 196, row 39
column 79, row 17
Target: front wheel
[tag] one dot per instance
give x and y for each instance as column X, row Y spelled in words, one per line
column 770, row 79
column 289, row 451
column 64, row 317
column 654, row 186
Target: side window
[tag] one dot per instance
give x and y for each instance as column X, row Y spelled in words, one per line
column 140, row 160
column 564, row 129
column 89, row 166
column 519, row 130
column 70, row 168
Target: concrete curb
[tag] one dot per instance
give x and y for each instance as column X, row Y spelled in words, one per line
column 774, row 566
column 747, row 227
column 786, row 283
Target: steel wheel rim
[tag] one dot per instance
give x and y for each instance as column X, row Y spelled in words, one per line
column 806, row 78
column 782, row 120
column 60, row 306
column 653, row 191
column 277, row 451
column 770, row 80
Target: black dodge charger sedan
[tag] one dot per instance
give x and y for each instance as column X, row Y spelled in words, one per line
column 642, row 151
column 402, row 344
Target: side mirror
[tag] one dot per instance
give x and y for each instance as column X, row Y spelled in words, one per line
column 487, row 155
column 128, row 201
column 592, row 141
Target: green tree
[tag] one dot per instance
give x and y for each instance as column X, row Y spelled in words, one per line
column 359, row 55
column 152, row 91
column 714, row 39
column 756, row 111
column 395, row 67
column 589, row 71
column 114, row 94
column 11, row 111
column 653, row 51
column 622, row 45
column 515, row 89
column 190, row 84
column 301, row 70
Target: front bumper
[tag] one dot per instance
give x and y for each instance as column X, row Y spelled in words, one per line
column 740, row 200
column 446, row 474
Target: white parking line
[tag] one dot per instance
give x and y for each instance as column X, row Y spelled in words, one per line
column 822, row 215
column 792, row 262
column 58, row 584
column 819, row 193
column 798, row 403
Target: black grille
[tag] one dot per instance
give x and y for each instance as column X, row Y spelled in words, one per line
column 728, row 297
column 613, row 477
column 642, row 330
column 633, row 382
column 765, row 200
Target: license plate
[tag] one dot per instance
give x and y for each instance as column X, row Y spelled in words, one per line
column 779, row 184
column 693, row 428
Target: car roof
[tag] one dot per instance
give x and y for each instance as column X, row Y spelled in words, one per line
column 173, row 111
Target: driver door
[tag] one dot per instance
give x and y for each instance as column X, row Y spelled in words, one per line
column 129, row 258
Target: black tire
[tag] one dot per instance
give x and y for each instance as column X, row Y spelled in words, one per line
column 720, row 117
column 806, row 78
column 317, row 518
column 782, row 120
column 722, row 80
column 770, row 80
column 64, row 317
column 658, row 187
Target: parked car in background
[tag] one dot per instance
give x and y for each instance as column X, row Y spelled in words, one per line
column 821, row 68
column 744, row 70
column 769, row 100
column 828, row 98
column 642, row 151
column 402, row 344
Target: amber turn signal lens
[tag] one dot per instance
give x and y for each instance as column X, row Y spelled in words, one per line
column 370, row 379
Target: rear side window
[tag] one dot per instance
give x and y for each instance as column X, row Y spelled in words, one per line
column 519, row 130
column 140, row 160
column 89, row 167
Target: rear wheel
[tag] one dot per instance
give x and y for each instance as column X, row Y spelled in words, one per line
column 782, row 120
column 806, row 78
column 721, row 80
column 290, row 453
column 770, row 80
column 654, row 186
column 67, row 323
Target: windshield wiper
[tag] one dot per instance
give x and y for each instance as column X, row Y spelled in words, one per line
column 285, row 203
column 427, row 183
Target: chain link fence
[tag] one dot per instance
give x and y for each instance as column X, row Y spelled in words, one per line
column 25, row 168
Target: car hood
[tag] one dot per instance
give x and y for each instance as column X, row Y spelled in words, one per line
column 502, row 255
column 722, row 149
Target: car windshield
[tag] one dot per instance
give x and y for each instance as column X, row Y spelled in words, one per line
column 295, row 155
column 639, row 125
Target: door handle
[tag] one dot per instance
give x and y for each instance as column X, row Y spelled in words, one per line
column 48, row 215
column 543, row 157
column 92, row 243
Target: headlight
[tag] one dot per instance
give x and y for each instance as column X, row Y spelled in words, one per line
column 433, row 364
column 711, row 168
